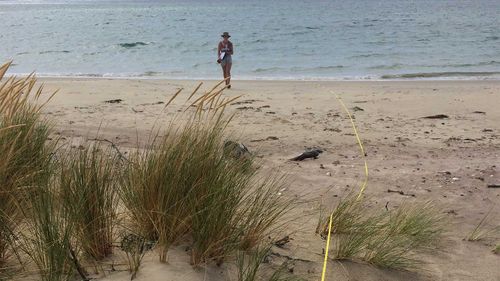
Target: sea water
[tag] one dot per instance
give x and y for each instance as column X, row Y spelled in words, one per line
column 273, row 39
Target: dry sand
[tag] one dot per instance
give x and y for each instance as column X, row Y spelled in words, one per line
column 450, row 161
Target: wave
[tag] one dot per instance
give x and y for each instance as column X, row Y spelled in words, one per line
column 492, row 38
column 318, row 68
column 440, row 74
column 481, row 63
column 295, row 33
column 132, row 45
column 152, row 74
column 457, row 65
column 255, row 41
column 53, row 52
column 269, row 69
column 297, row 69
column 176, row 75
column 384, row 66
column 374, row 55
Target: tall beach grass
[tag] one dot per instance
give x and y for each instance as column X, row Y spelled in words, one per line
column 188, row 187
column 389, row 239
column 88, row 183
column 47, row 239
column 24, row 155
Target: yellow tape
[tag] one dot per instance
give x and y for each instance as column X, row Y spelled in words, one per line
column 323, row 274
column 362, row 149
column 361, row 191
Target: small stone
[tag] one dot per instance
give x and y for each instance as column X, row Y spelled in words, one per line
column 329, row 174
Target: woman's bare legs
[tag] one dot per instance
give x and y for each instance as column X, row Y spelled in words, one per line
column 228, row 74
column 224, row 72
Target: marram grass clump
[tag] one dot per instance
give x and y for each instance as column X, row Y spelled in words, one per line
column 389, row 239
column 47, row 239
column 23, row 150
column 88, row 183
column 187, row 186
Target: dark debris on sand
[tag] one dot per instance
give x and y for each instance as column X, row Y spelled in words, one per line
column 114, row 101
column 313, row 153
column 437, row 116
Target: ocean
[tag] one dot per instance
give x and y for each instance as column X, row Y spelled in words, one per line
column 273, row 39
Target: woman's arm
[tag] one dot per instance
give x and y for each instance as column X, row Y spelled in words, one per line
column 231, row 49
column 218, row 50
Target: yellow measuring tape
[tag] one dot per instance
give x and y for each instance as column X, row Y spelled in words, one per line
column 361, row 191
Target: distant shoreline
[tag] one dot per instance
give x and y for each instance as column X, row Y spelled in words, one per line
column 431, row 76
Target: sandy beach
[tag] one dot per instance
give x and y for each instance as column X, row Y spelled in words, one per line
column 449, row 160
column 349, row 140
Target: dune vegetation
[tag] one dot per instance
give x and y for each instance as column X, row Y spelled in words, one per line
column 63, row 209
column 385, row 238
column 25, row 156
column 188, row 184
column 483, row 230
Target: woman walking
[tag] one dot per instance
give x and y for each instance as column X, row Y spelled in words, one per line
column 225, row 51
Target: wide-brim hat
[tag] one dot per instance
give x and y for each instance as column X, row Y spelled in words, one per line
column 225, row 34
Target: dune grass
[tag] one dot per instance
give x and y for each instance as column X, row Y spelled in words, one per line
column 263, row 211
column 88, row 186
column 23, row 133
column 155, row 191
column 409, row 229
column 188, row 186
column 30, row 211
column 389, row 239
column 248, row 263
column 47, row 238
column 483, row 230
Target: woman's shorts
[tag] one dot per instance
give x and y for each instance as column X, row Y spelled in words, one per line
column 227, row 59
